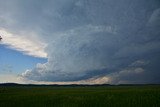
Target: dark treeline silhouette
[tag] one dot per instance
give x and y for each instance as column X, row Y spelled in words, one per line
column 71, row 85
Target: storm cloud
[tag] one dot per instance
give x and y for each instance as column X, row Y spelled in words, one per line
column 91, row 39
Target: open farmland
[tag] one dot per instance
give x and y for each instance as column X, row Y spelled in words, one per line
column 80, row 96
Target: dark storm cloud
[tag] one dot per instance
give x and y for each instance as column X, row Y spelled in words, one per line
column 118, row 39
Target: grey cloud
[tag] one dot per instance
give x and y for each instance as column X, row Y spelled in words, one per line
column 155, row 17
column 132, row 74
column 89, row 38
column 89, row 49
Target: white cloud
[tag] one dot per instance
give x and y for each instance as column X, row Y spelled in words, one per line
column 27, row 44
column 10, row 78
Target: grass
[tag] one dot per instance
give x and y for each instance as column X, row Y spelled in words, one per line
column 100, row 96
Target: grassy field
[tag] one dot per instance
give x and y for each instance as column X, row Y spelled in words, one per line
column 100, row 96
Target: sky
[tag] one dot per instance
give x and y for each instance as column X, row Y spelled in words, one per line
column 80, row 41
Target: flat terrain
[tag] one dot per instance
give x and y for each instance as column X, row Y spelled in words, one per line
column 80, row 96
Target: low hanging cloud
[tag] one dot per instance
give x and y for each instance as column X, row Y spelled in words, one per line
column 91, row 41
column 10, row 78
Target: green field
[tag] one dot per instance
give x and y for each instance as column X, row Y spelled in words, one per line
column 80, row 96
